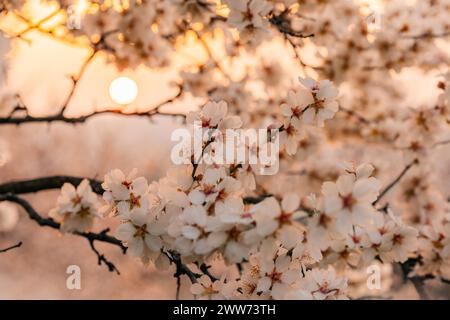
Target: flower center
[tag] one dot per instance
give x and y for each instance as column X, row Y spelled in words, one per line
column 348, row 201
column 141, row 231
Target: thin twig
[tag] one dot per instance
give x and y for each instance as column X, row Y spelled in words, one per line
column 395, row 181
column 181, row 268
column 48, row 222
column 46, row 183
column 154, row 111
column 34, row 26
column 205, row 269
column 76, row 80
column 427, row 35
column 17, row 245
column 355, row 114
column 441, row 143
column 210, row 54
column 177, row 294
column 283, row 25
column 297, row 55
column 101, row 257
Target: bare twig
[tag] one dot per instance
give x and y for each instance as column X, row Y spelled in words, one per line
column 101, row 257
column 418, row 281
column 395, row 181
column 355, row 115
column 427, row 35
column 17, row 245
column 297, row 55
column 255, row 200
column 205, row 269
column 76, row 80
column 35, row 26
column 181, row 268
column 46, row 183
column 283, row 25
column 177, row 294
column 48, row 222
column 59, row 117
column 210, row 54
column 441, row 143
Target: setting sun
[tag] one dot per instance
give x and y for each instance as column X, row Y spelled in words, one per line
column 123, row 90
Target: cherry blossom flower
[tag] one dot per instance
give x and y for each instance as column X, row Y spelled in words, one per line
column 321, row 285
column 350, row 198
column 434, row 247
column 205, row 288
column 297, row 103
column 270, row 217
column 212, row 115
column 124, row 194
column 248, row 16
column 76, row 207
column 275, row 272
column 324, row 105
column 136, row 235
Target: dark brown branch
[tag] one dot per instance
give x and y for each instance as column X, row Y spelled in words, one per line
column 395, row 181
column 418, row 281
column 177, row 293
column 181, row 268
column 46, row 183
column 17, row 245
column 441, row 143
column 34, row 26
column 56, row 182
column 205, row 269
column 255, row 200
column 49, row 222
column 101, row 257
column 297, row 55
column 210, row 54
column 283, row 25
column 76, row 80
column 355, row 115
column 81, row 119
column 427, row 35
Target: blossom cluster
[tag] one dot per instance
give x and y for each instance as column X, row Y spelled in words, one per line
column 77, row 207
column 300, row 233
column 203, row 211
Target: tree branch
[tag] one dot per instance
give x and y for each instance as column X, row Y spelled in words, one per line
column 7, row 191
column 46, row 183
column 101, row 257
column 49, row 222
column 76, row 80
column 427, row 35
column 283, row 25
column 59, row 117
column 395, row 181
column 418, row 281
column 205, row 269
column 355, row 114
column 181, row 268
column 17, row 245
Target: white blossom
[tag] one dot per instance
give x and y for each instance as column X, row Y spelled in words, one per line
column 76, row 207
